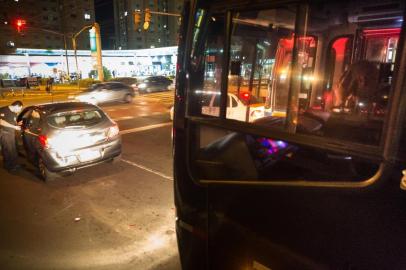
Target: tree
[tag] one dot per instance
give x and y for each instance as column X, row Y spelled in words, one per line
column 106, row 72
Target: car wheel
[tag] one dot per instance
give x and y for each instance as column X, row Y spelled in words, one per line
column 44, row 173
column 128, row 98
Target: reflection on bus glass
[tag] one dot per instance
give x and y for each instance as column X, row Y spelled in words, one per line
column 326, row 67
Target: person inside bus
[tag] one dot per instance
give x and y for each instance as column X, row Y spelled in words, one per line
column 357, row 89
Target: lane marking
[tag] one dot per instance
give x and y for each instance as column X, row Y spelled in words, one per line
column 123, row 118
column 148, row 169
column 139, row 129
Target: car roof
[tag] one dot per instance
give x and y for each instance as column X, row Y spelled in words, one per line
column 50, row 108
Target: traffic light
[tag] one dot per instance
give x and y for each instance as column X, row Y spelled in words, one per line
column 20, row 24
column 137, row 19
column 147, row 18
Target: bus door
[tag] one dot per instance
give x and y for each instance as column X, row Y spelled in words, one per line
column 317, row 187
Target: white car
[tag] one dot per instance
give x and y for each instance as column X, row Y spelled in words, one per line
column 236, row 108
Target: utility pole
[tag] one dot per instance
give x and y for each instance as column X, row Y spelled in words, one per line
column 21, row 23
column 96, row 29
column 100, row 72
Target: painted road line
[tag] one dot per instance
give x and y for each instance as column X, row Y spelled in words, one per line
column 123, row 118
column 139, row 129
column 148, row 169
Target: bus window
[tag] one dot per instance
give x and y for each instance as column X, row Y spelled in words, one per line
column 267, row 159
column 276, row 71
column 261, row 48
column 339, row 58
column 352, row 102
column 206, row 60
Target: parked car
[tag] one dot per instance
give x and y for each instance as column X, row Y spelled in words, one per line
column 130, row 81
column 154, row 84
column 63, row 137
column 236, row 107
column 107, row 92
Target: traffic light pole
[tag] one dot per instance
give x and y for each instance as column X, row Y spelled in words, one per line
column 98, row 48
column 100, row 72
column 147, row 17
column 165, row 13
column 64, row 43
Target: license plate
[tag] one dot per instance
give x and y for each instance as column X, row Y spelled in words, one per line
column 88, row 155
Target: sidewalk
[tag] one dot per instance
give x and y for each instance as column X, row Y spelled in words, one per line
column 15, row 92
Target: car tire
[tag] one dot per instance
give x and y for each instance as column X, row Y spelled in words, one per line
column 128, row 98
column 44, row 173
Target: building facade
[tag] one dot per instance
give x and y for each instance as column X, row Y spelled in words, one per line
column 162, row 32
column 121, row 63
column 44, row 19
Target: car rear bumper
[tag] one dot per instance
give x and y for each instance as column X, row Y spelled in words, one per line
column 74, row 160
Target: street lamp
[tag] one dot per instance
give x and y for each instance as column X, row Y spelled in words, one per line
column 98, row 48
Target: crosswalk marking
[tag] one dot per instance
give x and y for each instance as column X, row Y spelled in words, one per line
column 164, row 97
column 144, row 128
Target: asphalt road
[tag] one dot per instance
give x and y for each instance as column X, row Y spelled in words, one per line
column 111, row 216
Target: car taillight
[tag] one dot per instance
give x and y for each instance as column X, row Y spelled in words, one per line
column 113, row 132
column 43, row 140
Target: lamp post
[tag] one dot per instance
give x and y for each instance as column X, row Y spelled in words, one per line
column 98, row 48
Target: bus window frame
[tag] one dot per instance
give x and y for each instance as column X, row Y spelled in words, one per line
column 381, row 153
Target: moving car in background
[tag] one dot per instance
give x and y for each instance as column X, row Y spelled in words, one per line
column 236, row 107
column 60, row 138
column 107, row 92
column 154, row 84
column 129, row 81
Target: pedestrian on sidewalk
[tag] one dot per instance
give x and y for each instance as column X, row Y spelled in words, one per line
column 8, row 126
column 50, row 83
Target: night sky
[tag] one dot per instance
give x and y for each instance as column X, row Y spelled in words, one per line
column 104, row 10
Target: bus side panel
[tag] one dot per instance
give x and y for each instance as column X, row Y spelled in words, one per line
column 191, row 224
column 293, row 228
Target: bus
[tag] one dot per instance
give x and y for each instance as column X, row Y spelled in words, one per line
column 316, row 180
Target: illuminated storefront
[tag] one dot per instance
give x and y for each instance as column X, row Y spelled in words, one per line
column 121, row 63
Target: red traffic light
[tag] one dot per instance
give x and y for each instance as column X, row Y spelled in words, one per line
column 20, row 24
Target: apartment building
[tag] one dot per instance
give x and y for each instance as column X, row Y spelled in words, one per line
column 162, row 32
column 44, row 19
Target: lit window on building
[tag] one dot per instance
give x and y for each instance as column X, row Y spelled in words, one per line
column 87, row 16
column 125, row 13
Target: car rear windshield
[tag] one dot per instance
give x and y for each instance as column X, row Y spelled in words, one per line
column 85, row 118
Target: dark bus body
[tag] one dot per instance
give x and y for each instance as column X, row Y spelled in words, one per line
column 316, row 181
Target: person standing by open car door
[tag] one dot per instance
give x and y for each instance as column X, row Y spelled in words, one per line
column 8, row 125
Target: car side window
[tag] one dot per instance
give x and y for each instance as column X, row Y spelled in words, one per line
column 118, row 86
column 35, row 119
column 234, row 103
column 25, row 118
